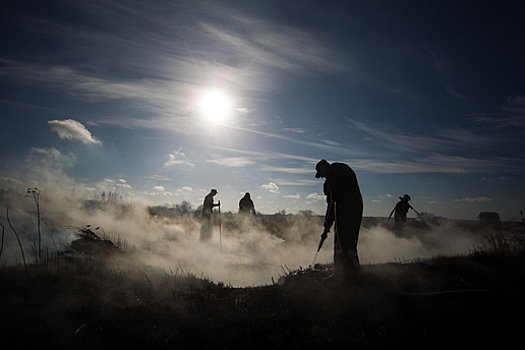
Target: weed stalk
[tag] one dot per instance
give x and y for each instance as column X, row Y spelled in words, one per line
column 36, row 196
column 19, row 242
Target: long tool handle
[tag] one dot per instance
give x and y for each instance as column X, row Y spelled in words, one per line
column 315, row 258
column 220, row 226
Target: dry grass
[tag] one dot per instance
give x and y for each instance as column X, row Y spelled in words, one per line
column 446, row 302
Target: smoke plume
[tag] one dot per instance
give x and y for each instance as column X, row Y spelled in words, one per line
column 241, row 252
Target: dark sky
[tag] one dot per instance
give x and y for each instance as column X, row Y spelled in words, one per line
column 418, row 97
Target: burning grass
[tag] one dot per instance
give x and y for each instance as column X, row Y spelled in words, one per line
column 444, row 302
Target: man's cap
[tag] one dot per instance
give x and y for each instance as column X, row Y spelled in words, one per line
column 321, row 163
column 405, row 197
column 214, row 190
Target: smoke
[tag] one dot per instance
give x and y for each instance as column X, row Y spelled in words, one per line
column 243, row 255
column 241, row 252
column 379, row 245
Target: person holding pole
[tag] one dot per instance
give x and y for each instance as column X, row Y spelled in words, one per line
column 400, row 212
column 207, row 210
column 345, row 208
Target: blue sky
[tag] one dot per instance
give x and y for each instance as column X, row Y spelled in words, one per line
column 418, row 97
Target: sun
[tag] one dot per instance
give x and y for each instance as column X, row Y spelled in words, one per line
column 215, row 106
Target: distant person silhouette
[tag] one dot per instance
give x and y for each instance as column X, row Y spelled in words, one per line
column 400, row 212
column 345, row 208
column 207, row 210
column 246, row 206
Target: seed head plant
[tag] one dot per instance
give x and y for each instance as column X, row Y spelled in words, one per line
column 35, row 192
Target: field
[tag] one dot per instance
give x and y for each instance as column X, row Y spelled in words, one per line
column 444, row 302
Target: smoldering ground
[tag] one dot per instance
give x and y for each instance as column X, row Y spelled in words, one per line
column 241, row 252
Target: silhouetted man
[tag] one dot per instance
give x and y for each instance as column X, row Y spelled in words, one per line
column 207, row 210
column 345, row 208
column 400, row 212
column 246, row 206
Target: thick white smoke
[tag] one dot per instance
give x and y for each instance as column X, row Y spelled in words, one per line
column 242, row 253
column 380, row 245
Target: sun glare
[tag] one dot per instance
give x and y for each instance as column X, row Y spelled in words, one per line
column 215, row 106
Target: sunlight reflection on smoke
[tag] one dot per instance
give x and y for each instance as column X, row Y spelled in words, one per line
column 248, row 255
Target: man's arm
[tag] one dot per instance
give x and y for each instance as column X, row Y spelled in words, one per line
column 329, row 217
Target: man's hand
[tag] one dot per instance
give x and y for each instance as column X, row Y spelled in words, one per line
column 324, row 235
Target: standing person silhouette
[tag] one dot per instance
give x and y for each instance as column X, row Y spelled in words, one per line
column 400, row 212
column 246, row 206
column 207, row 210
column 345, row 208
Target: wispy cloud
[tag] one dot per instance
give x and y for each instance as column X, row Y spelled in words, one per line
column 294, row 196
column 288, row 170
column 10, row 181
column 444, row 73
column 158, row 178
column 72, row 130
column 482, row 199
column 440, row 164
column 468, row 138
column 296, row 182
column 402, row 141
column 164, row 69
column 274, row 45
column 178, row 158
column 310, row 142
column 448, row 151
column 233, row 162
column 296, row 130
column 512, row 116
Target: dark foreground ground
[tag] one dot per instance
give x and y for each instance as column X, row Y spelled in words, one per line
column 460, row 302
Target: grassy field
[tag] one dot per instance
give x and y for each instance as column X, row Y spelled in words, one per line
column 449, row 302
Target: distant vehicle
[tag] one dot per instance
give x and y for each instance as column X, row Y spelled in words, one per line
column 489, row 218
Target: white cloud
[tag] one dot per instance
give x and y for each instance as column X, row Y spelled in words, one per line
column 295, row 196
column 187, row 189
column 123, row 185
column 316, row 196
column 71, row 129
column 159, row 188
column 271, row 187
